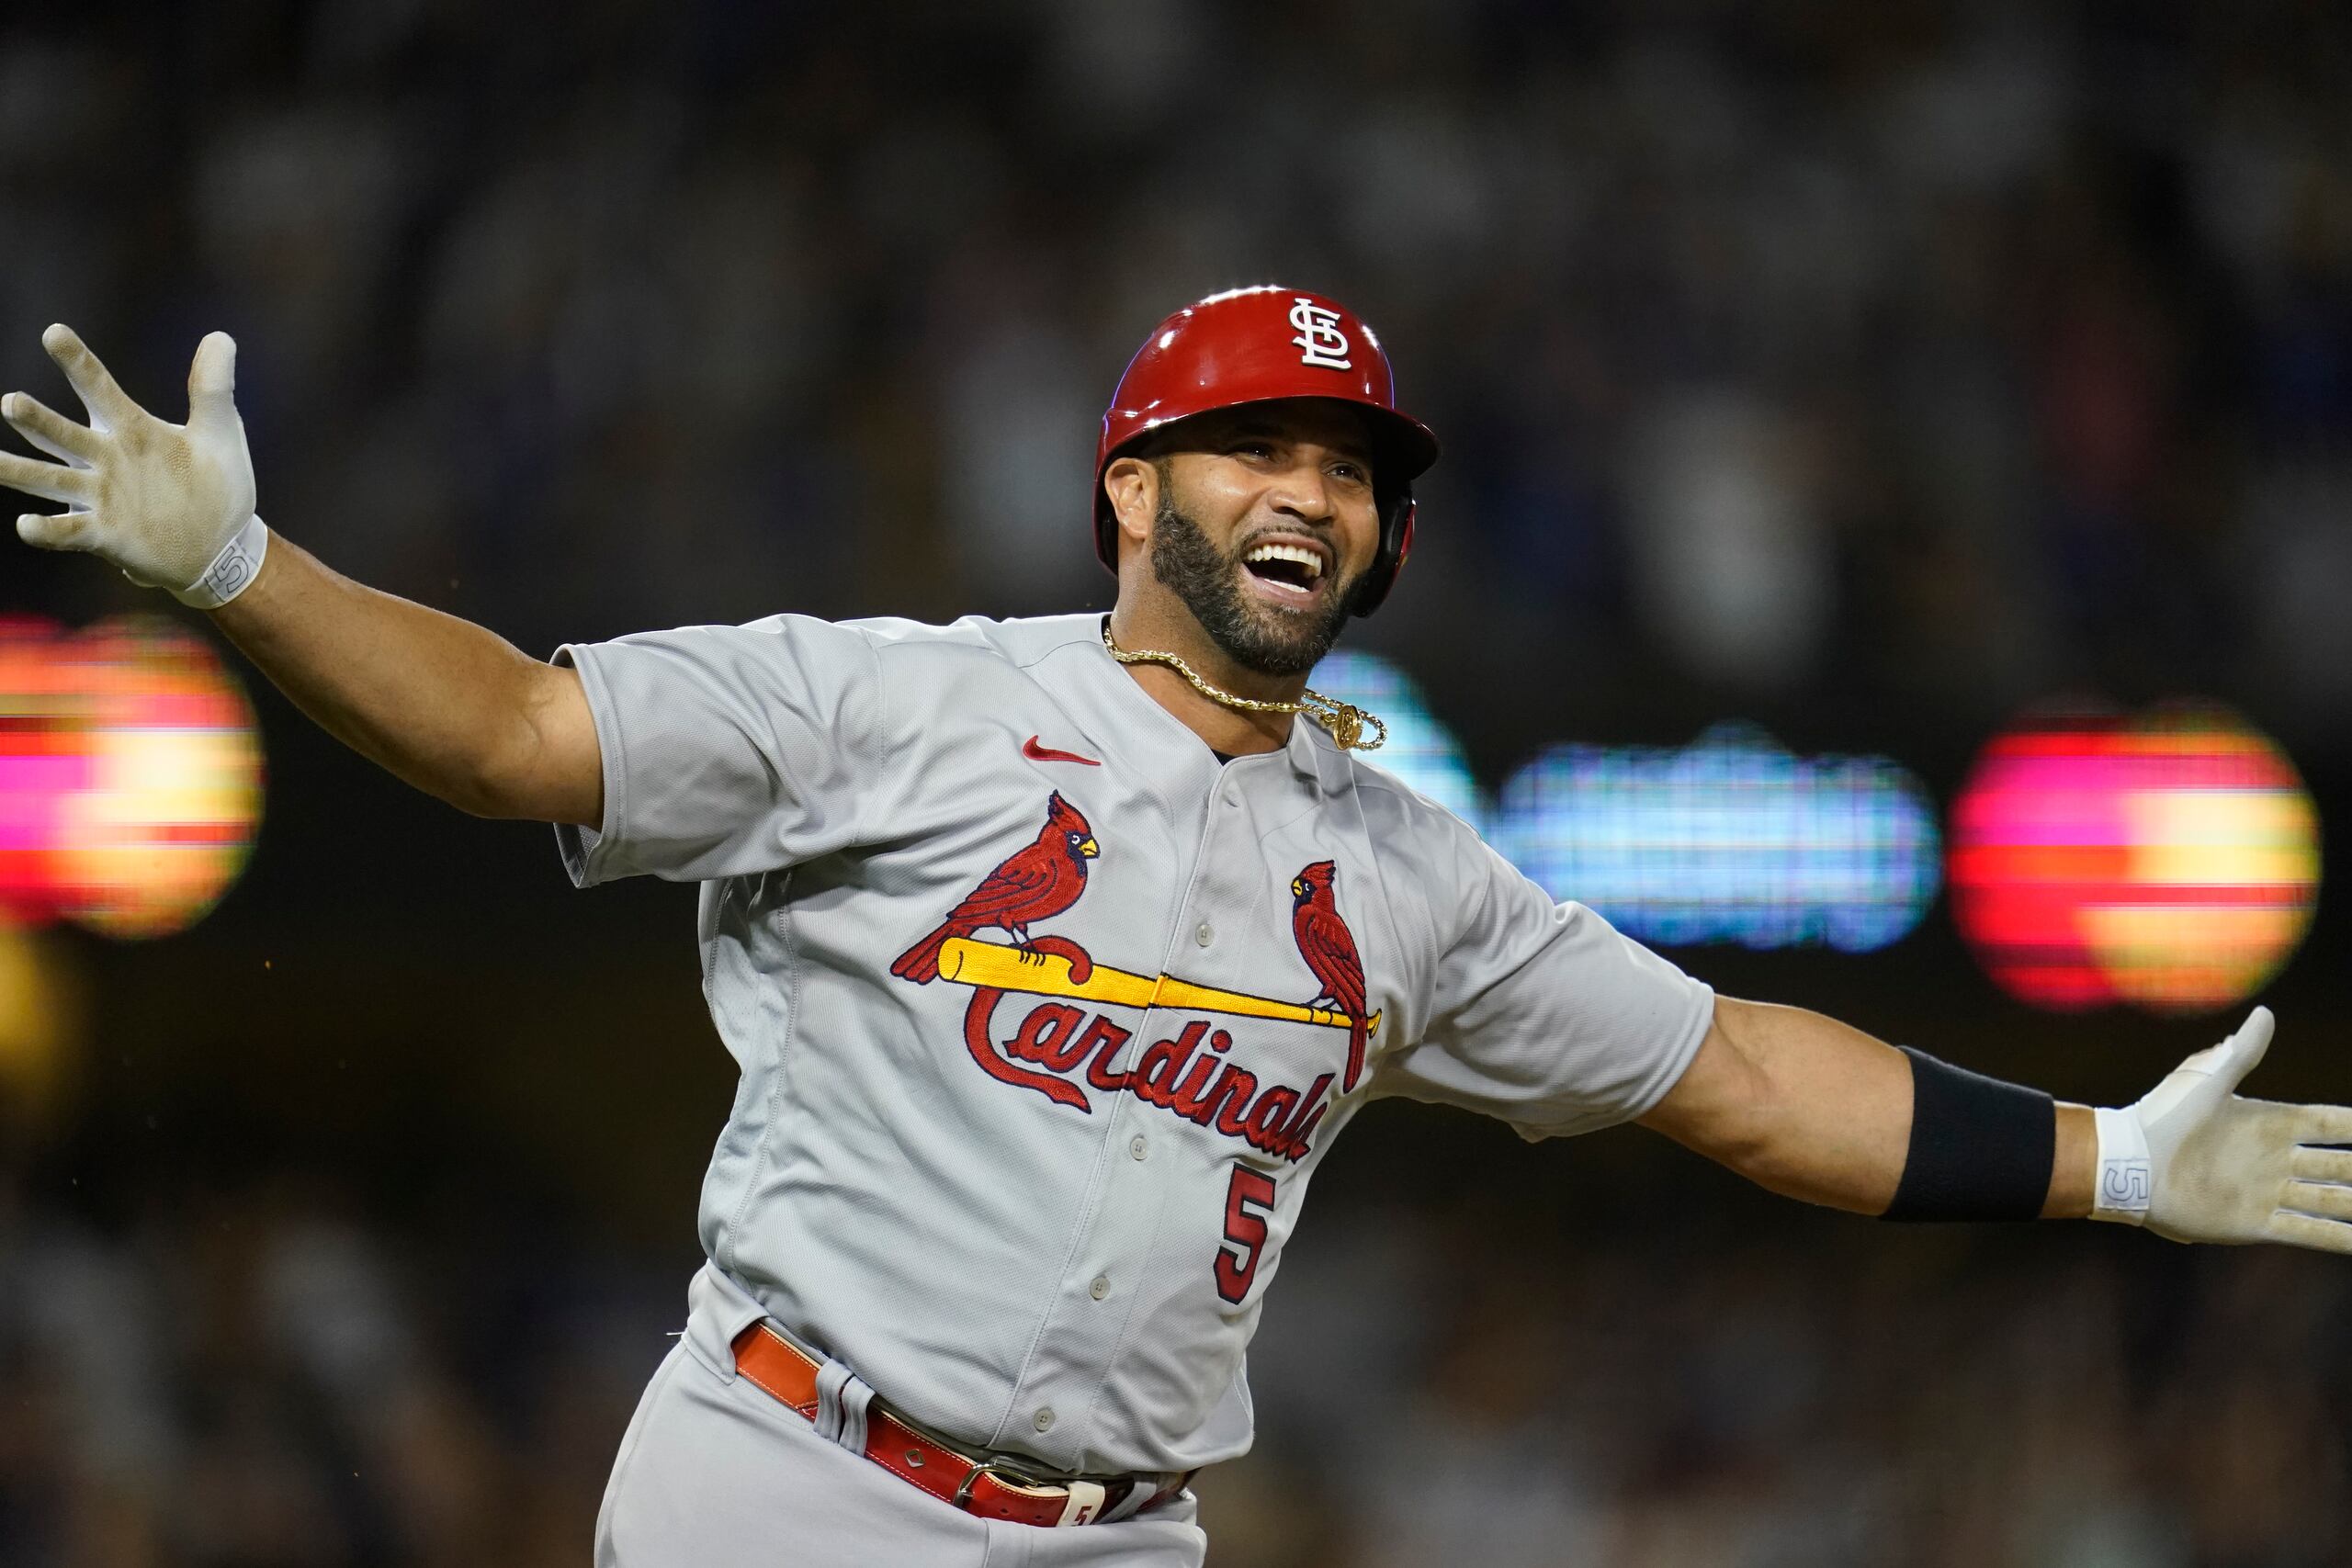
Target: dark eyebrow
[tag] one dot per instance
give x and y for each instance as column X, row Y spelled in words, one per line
column 1349, row 447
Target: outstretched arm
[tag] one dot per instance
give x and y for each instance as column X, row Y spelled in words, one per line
column 444, row 705
column 1811, row 1108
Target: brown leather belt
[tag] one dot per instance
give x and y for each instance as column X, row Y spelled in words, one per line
column 993, row 1489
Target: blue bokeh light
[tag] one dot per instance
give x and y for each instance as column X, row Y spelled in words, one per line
column 1421, row 752
column 1731, row 839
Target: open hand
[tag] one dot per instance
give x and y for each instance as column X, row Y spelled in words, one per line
column 2196, row 1161
column 171, row 504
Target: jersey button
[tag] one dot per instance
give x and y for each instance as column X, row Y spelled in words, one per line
column 1205, row 935
column 1138, row 1145
column 1100, row 1288
column 1043, row 1419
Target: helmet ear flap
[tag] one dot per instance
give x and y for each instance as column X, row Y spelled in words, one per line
column 1396, row 542
column 1106, row 527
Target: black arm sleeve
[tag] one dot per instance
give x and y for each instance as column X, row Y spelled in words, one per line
column 1981, row 1149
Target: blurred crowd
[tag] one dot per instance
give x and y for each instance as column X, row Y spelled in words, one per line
column 1966, row 351
column 253, row 1379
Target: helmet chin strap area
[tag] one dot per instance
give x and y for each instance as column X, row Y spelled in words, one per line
column 1344, row 720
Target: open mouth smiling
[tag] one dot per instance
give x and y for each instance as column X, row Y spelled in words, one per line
column 1288, row 572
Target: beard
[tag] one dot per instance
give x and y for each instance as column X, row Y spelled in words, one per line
column 1258, row 638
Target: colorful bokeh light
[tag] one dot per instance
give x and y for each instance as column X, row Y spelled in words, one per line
column 2170, row 861
column 1421, row 751
column 131, row 776
column 1730, row 839
column 42, row 764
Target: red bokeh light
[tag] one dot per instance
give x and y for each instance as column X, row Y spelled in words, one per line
column 2170, row 861
column 130, row 775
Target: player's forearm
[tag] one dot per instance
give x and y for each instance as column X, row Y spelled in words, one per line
column 443, row 704
column 1815, row 1109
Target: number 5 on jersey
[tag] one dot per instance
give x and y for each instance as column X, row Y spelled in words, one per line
column 1247, row 1202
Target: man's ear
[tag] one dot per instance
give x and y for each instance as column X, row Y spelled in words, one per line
column 1132, row 485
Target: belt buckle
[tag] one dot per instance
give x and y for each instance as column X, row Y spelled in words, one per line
column 1002, row 1470
column 1084, row 1500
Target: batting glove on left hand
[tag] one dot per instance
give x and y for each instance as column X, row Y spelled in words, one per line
column 171, row 504
column 2194, row 1161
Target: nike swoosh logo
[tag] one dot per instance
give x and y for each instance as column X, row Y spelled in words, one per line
column 1036, row 753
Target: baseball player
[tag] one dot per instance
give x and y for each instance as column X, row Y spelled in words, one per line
column 1055, row 954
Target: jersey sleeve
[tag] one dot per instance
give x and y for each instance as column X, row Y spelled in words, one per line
column 1543, row 1014
column 728, row 751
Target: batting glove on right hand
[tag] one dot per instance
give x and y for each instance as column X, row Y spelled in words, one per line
column 2194, row 1161
column 171, row 504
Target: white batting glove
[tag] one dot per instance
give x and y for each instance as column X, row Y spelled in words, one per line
column 2193, row 1161
column 171, row 504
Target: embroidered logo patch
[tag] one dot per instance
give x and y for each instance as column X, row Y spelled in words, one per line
column 1320, row 341
column 1036, row 753
column 1069, row 1044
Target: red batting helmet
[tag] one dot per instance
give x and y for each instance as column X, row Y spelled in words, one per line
column 1256, row 345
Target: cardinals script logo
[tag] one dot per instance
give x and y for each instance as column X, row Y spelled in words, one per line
column 1066, row 1048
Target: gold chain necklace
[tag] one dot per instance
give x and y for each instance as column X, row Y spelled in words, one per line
column 1344, row 720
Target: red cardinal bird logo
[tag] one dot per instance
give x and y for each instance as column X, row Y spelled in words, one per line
column 1329, row 948
column 1036, row 881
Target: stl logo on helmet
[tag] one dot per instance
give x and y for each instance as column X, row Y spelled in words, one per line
column 1320, row 341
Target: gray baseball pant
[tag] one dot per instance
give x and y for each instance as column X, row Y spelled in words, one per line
column 714, row 1472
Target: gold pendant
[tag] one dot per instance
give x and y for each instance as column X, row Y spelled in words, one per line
column 1346, row 724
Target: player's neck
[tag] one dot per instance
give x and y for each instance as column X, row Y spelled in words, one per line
column 1234, row 731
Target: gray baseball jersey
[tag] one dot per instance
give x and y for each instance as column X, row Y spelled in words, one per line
column 1046, row 1016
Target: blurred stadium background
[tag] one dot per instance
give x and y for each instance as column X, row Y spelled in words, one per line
column 1836, row 386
